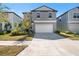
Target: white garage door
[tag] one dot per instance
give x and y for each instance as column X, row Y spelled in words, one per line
column 43, row 28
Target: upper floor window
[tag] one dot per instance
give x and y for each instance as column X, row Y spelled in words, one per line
column 50, row 15
column 38, row 15
column 76, row 15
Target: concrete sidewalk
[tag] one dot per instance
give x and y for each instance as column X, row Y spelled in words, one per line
column 15, row 42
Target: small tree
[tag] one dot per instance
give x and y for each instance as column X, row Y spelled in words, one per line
column 23, row 29
column 26, row 24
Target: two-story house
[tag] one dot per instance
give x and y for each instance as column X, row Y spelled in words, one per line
column 69, row 21
column 43, row 19
column 11, row 18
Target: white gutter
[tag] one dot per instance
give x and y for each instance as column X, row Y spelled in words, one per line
column 73, row 21
column 38, row 21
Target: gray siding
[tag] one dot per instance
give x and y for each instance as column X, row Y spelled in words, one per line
column 73, row 23
column 43, row 16
column 74, row 27
column 68, row 22
column 62, row 23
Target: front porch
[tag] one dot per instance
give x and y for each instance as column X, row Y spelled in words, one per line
column 5, row 26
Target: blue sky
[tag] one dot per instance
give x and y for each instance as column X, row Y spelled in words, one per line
column 26, row 7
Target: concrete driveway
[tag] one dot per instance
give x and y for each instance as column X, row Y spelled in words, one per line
column 51, row 45
column 47, row 36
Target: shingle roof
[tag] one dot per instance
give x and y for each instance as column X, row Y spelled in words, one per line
column 14, row 13
column 67, row 11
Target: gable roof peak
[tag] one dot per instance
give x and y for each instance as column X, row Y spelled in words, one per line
column 44, row 8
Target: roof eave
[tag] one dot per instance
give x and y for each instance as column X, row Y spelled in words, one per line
column 45, row 10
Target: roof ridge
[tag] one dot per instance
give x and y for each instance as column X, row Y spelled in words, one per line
column 44, row 6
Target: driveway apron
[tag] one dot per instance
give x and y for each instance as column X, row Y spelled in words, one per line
column 51, row 44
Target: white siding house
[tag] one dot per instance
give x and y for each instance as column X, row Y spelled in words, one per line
column 13, row 20
column 43, row 19
column 69, row 21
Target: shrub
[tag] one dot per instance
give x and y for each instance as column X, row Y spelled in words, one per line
column 69, row 32
column 17, row 32
column 76, row 33
column 1, row 33
column 8, row 31
column 57, row 31
column 31, row 33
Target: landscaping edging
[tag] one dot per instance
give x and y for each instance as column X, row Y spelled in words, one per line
column 71, row 36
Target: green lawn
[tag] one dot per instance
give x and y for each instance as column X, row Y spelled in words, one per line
column 7, row 37
column 11, row 50
column 71, row 36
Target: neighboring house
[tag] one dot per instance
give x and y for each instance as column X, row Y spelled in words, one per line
column 10, row 20
column 43, row 19
column 69, row 21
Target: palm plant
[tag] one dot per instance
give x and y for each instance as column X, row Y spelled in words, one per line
column 3, row 15
column 3, row 9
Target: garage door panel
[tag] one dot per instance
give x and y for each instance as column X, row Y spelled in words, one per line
column 43, row 28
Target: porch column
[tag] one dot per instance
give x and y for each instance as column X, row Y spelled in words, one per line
column 3, row 25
